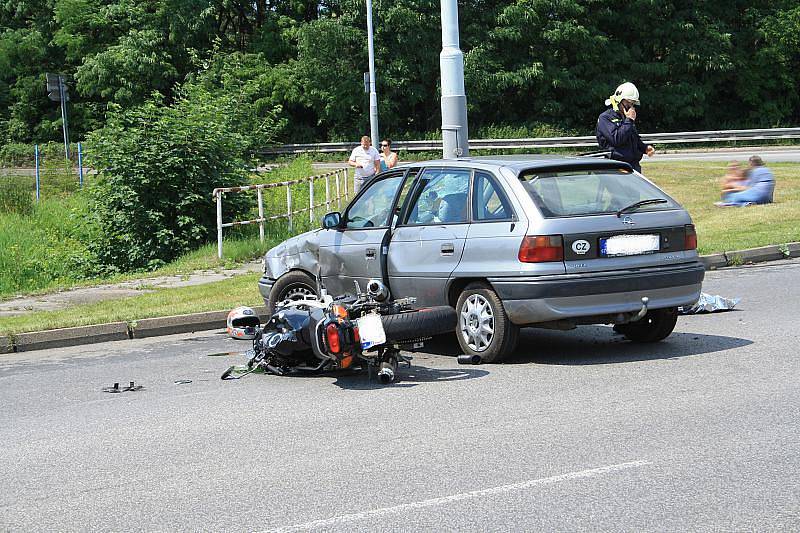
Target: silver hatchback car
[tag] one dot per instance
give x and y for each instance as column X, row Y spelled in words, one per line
column 542, row 241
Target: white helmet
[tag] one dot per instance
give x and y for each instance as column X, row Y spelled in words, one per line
column 242, row 323
column 626, row 91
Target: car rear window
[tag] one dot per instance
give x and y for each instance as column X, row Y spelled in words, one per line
column 566, row 193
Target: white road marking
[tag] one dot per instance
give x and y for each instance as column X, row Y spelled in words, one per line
column 344, row 519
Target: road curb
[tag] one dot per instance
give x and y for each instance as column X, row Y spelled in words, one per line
column 59, row 338
column 751, row 255
column 714, row 261
column 755, row 255
column 170, row 325
column 6, row 345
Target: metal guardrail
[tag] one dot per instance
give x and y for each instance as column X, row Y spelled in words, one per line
column 340, row 174
column 550, row 142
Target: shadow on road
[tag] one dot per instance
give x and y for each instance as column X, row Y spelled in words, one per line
column 596, row 345
column 410, row 377
column 599, row 345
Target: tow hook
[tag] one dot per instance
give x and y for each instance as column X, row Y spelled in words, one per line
column 643, row 310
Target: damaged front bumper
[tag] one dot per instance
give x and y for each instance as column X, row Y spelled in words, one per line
column 265, row 287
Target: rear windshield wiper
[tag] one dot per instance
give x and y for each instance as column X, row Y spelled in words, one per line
column 636, row 205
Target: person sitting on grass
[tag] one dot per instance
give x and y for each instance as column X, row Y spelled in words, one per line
column 758, row 188
column 735, row 179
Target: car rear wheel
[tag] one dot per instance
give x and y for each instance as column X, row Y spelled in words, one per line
column 294, row 285
column 483, row 326
column 653, row 327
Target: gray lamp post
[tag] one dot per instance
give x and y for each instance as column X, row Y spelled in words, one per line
column 373, row 96
column 455, row 141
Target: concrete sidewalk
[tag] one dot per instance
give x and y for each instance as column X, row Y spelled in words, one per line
column 151, row 327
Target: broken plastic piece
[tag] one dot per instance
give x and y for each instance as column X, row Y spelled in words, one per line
column 113, row 389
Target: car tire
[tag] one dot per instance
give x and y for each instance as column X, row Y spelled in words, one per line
column 656, row 325
column 484, row 328
column 419, row 323
column 293, row 285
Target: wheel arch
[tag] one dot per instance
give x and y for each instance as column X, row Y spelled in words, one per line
column 297, row 269
column 457, row 285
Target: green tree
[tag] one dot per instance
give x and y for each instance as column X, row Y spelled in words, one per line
column 158, row 165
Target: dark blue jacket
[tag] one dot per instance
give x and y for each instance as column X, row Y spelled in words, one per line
column 617, row 133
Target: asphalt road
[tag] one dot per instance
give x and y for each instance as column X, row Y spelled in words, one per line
column 581, row 432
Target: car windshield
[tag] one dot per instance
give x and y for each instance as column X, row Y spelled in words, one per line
column 578, row 192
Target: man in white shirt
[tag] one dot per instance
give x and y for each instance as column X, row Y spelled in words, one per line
column 367, row 162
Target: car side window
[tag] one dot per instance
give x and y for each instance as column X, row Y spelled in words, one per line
column 440, row 198
column 488, row 203
column 371, row 209
column 404, row 190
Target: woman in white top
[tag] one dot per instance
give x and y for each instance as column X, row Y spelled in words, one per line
column 388, row 158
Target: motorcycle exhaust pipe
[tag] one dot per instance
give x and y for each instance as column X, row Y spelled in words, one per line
column 469, row 359
column 387, row 371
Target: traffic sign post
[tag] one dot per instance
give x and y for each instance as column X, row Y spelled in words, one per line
column 57, row 91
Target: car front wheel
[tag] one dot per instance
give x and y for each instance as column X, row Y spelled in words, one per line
column 294, row 285
column 653, row 327
column 483, row 326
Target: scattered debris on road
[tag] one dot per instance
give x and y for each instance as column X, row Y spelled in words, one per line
column 133, row 387
column 708, row 303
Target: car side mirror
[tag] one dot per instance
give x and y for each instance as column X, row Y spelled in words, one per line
column 331, row 220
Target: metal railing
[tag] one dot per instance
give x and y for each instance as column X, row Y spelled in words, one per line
column 551, row 142
column 340, row 176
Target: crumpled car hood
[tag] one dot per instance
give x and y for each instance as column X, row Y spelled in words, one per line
column 301, row 251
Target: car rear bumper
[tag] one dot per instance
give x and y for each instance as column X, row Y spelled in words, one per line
column 530, row 300
column 265, row 287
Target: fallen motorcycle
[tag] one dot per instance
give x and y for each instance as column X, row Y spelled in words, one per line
column 367, row 331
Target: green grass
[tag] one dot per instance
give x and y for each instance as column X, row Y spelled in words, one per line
column 227, row 294
column 696, row 186
column 46, row 249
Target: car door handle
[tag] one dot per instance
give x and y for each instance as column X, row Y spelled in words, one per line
column 448, row 248
column 370, row 253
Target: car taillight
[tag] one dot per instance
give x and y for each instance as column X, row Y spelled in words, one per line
column 541, row 249
column 332, row 334
column 690, row 242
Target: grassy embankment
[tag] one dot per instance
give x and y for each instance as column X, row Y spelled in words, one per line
column 45, row 248
column 694, row 184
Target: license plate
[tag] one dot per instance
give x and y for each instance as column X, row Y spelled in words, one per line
column 629, row 245
column 370, row 329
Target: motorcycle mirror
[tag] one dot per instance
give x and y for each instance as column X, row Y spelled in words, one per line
column 331, row 220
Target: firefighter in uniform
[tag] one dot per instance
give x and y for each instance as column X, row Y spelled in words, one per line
column 616, row 127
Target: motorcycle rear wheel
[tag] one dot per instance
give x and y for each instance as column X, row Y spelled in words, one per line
column 419, row 323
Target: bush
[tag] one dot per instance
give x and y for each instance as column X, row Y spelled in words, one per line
column 16, row 195
column 56, row 177
column 158, row 166
column 16, row 155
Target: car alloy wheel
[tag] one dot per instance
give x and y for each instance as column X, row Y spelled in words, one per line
column 477, row 323
column 484, row 329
